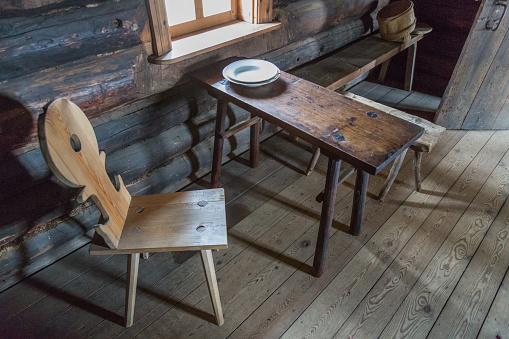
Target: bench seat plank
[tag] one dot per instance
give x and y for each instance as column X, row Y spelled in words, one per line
column 349, row 62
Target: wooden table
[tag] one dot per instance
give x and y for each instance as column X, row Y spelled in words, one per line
column 344, row 129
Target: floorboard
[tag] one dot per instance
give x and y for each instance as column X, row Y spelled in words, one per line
column 427, row 264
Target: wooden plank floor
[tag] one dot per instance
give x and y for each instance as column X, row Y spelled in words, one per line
column 427, row 264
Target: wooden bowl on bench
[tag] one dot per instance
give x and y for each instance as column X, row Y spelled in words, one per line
column 396, row 20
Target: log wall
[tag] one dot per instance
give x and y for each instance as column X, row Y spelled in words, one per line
column 153, row 125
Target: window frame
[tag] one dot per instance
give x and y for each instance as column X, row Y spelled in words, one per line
column 252, row 11
column 202, row 22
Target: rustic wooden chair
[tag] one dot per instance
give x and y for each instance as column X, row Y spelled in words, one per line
column 131, row 225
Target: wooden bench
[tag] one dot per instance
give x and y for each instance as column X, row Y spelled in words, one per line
column 348, row 63
column 425, row 143
column 343, row 66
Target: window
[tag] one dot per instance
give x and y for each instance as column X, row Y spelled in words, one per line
column 201, row 22
column 186, row 16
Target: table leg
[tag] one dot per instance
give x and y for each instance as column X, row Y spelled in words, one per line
column 331, row 186
column 410, row 66
column 359, row 201
column 217, row 159
column 254, row 144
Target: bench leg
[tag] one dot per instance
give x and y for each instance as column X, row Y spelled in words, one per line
column 329, row 200
column 410, row 66
column 217, row 159
column 417, row 170
column 210, row 274
column 392, row 176
column 383, row 70
column 359, row 201
column 133, row 262
column 314, row 160
column 255, row 144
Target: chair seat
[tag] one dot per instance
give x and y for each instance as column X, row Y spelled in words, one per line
column 179, row 221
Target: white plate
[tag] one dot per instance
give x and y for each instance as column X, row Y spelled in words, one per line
column 256, row 84
column 249, row 71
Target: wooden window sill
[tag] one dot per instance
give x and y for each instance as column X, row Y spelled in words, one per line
column 193, row 44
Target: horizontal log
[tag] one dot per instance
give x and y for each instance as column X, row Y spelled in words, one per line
column 18, row 19
column 86, row 82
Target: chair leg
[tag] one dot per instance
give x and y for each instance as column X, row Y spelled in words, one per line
column 133, row 262
column 210, row 274
column 314, row 160
column 392, row 175
column 417, row 170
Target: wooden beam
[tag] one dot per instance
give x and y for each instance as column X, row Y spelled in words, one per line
column 159, row 30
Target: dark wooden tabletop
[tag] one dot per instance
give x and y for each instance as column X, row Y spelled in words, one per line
column 361, row 135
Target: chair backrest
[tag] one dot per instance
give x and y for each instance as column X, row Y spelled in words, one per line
column 69, row 146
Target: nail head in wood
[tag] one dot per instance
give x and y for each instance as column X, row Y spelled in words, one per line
column 339, row 137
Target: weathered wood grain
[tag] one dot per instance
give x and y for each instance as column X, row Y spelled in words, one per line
column 422, row 306
column 471, row 69
column 382, row 301
column 487, row 110
column 51, row 47
column 496, row 323
column 470, row 302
